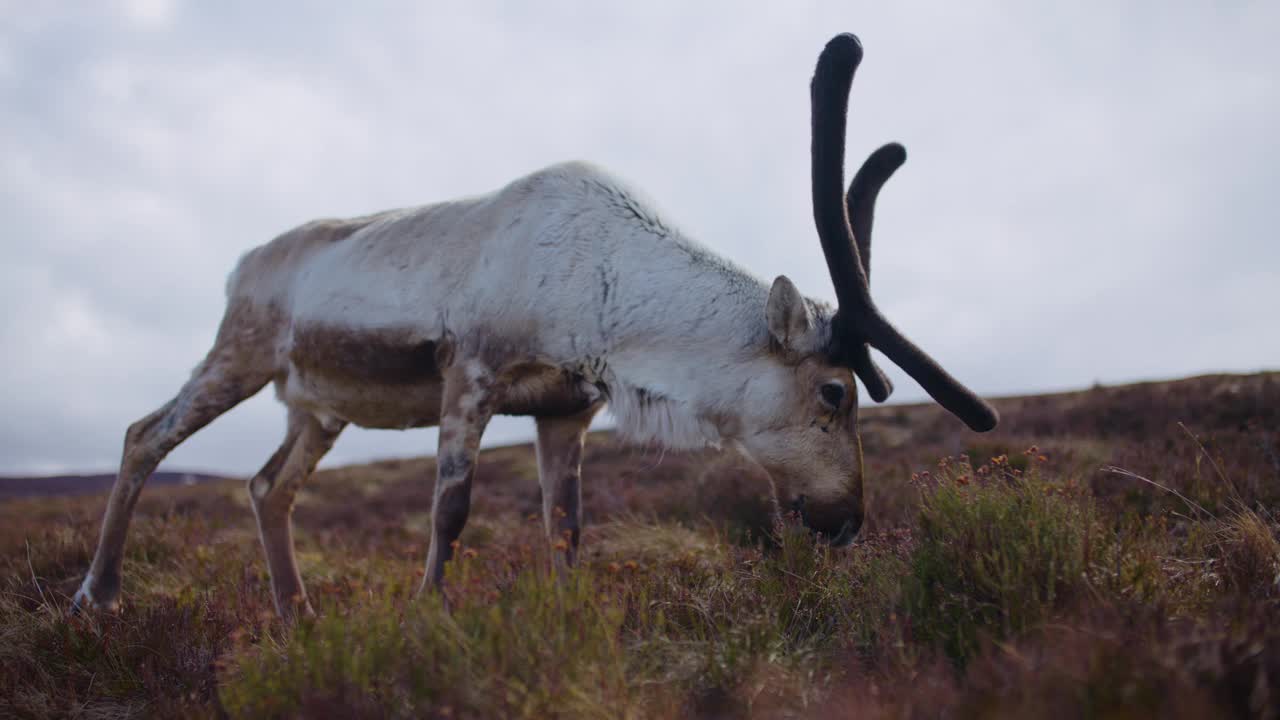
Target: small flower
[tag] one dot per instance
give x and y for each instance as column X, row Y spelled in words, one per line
column 631, row 566
column 469, row 553
column 613, row 568
column 561, row 545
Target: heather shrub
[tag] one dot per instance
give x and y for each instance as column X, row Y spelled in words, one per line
column 784, row 618
column 997, row 550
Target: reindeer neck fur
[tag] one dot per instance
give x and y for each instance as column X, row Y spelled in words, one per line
column 684, row 349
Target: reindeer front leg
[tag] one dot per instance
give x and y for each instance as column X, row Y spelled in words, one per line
column 468, row 403
column 559, row 447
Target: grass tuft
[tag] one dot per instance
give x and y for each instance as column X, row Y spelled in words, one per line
column 1248, row 551
column 540, row 648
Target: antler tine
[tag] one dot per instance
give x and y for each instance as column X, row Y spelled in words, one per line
column 829, row 98
column 878, row 385
column 863, row 192
column 946, row 390
column 861, row 204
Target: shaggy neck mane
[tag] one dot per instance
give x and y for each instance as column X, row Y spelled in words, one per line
column 648, row 418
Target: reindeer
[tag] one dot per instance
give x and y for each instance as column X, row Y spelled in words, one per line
column 551, row 297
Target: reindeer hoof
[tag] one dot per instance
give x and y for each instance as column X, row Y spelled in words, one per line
column 296, row 608
column 84, row 600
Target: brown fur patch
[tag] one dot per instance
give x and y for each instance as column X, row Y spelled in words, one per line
column 542, row 390
column 383, row 357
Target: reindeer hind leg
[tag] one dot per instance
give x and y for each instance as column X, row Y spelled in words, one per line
column 272, row 492
column 218, row 384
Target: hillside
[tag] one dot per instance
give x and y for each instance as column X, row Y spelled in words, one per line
column 1108, row 551
column 25, row 486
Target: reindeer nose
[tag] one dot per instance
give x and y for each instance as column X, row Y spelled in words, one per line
column 847, row 533
column 834, row 528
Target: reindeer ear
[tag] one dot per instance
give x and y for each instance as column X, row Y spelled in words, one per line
column 788, row 314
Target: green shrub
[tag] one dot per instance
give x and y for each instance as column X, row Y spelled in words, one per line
column 997, row 550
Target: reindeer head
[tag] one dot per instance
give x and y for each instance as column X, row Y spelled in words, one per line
column 810, row 444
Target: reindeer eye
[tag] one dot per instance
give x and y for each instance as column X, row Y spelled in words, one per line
column 833, row 394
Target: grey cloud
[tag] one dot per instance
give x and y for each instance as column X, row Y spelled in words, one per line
column 1089, row 195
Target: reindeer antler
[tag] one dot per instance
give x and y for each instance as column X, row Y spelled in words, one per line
column 858, row 322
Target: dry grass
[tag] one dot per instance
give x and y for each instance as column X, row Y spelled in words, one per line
column 1249, row 553
column 1004, row 581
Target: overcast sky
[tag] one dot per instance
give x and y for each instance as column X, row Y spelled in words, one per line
column 1091, row 194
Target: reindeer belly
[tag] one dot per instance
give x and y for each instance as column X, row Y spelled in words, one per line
column 391, row 379
column 381, row 406
column 383, row 378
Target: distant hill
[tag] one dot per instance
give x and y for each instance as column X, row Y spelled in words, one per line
column 11, row 487
column 890, row 435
